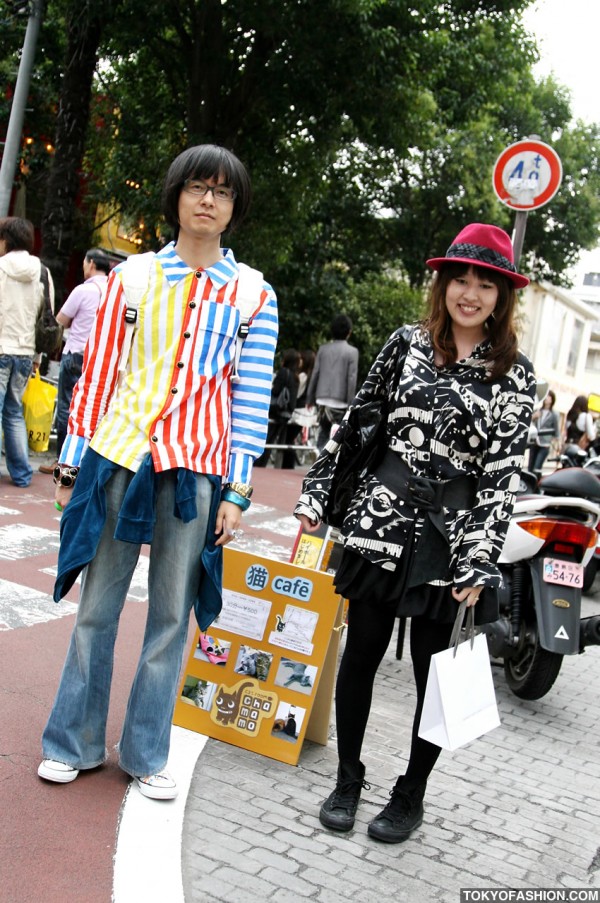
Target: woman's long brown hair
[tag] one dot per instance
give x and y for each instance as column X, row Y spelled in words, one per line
column 502, row 335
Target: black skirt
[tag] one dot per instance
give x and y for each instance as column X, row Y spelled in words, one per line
column 407, row 589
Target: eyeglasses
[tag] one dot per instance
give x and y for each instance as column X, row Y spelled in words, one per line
column 199, row 190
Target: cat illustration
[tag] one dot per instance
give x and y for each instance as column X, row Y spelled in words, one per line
column 228, row 704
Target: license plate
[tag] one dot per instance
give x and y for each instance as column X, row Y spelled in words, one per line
column 565, row 573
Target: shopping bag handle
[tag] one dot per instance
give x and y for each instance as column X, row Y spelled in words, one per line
column 458, row 625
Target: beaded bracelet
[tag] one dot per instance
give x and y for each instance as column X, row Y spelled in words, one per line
column 228, row 495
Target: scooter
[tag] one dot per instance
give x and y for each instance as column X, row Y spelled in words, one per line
column 551, row 537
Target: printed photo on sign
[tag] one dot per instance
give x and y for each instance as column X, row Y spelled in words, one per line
column 295, row 630
column 198, row 692
column 243, row 615
column 296, row 676
column 253, row 662
column 288, row 722
column 212, row 649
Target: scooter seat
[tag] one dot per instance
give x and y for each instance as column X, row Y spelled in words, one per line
column 572, row 481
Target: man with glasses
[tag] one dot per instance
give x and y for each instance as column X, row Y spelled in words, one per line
column 162, row 456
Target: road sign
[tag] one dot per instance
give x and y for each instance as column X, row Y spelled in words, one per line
column 527, row 175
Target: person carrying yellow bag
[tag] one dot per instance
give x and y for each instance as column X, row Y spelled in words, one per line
column 21, row 300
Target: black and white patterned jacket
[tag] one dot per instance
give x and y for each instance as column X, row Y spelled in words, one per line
column 444, row 422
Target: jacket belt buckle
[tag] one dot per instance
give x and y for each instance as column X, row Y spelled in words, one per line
column 425, row 494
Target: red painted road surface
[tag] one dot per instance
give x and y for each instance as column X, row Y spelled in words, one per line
column 58, row 842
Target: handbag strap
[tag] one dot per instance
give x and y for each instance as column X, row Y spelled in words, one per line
column 458, row 624
column 46, row 288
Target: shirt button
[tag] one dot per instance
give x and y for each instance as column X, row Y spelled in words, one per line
column 174, row 390
column 153, row 438
column 180, row 364
column 186, row 335
column 192, row 304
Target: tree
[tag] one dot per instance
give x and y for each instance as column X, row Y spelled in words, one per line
column 86, row 20
column 370, row 128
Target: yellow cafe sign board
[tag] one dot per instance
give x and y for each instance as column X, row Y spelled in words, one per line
column 262, row 675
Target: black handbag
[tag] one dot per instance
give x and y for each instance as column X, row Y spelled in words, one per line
column 280, row 409
column 362, row 448
column 48, row 332
column 363, row 444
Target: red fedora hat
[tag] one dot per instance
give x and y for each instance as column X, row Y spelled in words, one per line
column 483, row 246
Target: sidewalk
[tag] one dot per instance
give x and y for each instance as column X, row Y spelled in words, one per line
column 517, row 808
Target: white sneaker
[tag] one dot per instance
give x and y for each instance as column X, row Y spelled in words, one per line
column 160, row 786
column 51, row 770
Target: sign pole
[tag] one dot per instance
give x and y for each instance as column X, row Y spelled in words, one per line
column 518, row 235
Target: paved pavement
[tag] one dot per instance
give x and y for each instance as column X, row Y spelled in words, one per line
column 518, row 808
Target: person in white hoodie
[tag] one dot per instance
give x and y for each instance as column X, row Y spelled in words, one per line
column 21, row 299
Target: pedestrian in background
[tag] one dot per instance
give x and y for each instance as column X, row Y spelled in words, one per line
column 21, row 302
column 332, row 384
column 77, row 315
column 426, row 529
column 579, row 424
column 286, row 382
column 293, row 430
column 547, row 424
column 163, row 457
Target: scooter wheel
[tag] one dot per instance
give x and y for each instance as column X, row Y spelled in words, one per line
column 531, row 672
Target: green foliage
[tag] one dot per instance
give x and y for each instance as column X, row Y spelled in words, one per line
column 370, row 129
column 377, row 305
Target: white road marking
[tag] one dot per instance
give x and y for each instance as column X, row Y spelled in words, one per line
column 147, row 863
column 23, row 541
column 21, row 606
column 8, row 512
column 283, row 526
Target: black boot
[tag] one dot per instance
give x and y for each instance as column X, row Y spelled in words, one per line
column 339, row 809
column 401, row 816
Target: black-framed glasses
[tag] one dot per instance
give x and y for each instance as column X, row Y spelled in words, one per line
column 199, row 188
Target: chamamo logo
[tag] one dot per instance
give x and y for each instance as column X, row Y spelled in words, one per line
column 243, row 706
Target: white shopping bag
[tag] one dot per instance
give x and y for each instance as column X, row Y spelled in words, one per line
column 460, row 700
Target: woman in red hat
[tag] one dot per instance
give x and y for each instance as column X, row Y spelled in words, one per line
column 459, row 400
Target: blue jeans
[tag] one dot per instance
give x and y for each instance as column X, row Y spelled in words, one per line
column 71, row 365
column 14, row 373
column 537, row 457
column 76, row 729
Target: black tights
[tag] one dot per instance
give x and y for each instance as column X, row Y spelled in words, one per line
column 368, row 637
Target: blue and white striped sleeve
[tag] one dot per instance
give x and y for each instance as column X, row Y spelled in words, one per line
column 252, row 393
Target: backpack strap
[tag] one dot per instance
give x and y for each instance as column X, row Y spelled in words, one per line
column 247, row 300
column 134, row 277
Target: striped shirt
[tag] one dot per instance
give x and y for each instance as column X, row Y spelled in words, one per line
column 177, row 400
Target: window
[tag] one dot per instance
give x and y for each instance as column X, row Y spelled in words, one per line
column 575, row 346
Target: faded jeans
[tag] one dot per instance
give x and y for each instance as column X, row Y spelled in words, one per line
column 15, row 371
column 76, row 729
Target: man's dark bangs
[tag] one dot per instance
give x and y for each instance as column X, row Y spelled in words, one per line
column 213, row 162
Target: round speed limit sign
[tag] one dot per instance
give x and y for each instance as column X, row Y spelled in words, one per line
column 527, row 175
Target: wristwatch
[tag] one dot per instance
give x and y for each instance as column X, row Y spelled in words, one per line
column 243, row 489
